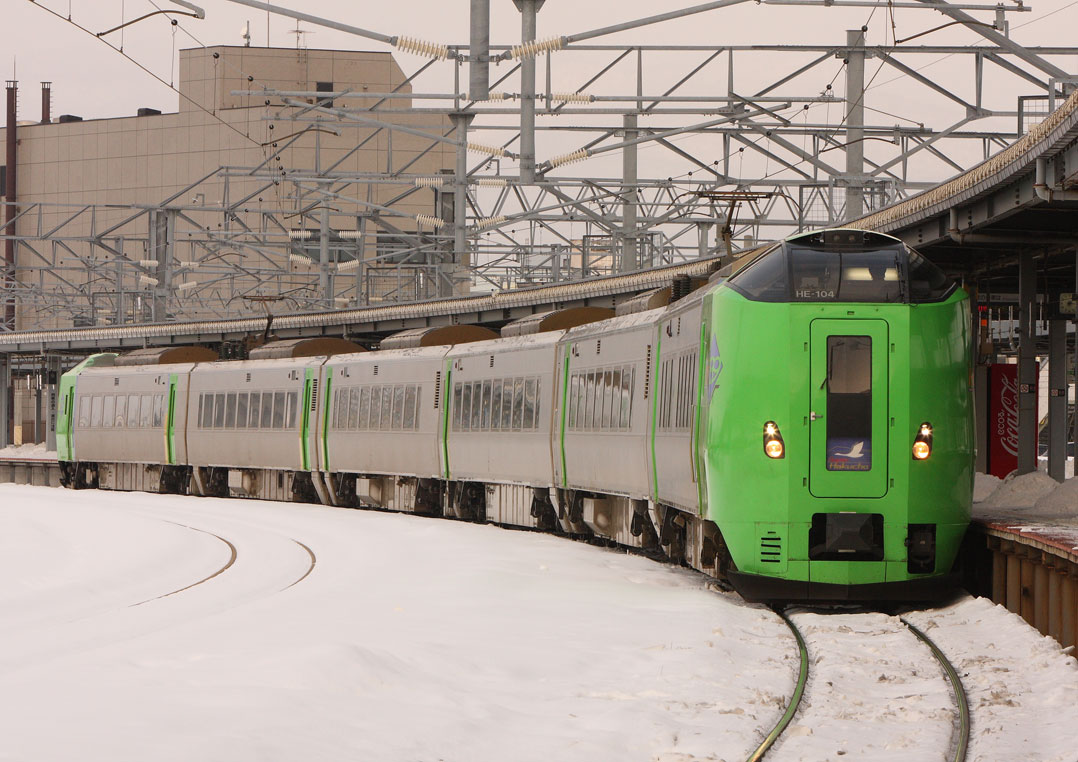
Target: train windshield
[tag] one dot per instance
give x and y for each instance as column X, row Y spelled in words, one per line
column 883, row 274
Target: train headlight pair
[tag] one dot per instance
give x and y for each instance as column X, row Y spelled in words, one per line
column 922, row 444
column 774, row 447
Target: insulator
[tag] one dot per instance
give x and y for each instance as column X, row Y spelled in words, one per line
column 189, row 264
column 492, row 150
column 342, row 299
column 350, row 235
column 351, row 264
column 429, row 182
column 299, row 259
column 429, row 221
column 146, row 280
column 570, row 158
column 187, row 284
column 422, row 47
column 489, row 222
column 492, row 182
column 300, row 235
column 572, row 97
column 149, row 262
column 536, row 47
column 495, row 96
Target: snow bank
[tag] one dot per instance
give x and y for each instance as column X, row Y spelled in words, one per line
column 27, row 451
column 1063, row 500
column 984, row 485
column 1022, row 491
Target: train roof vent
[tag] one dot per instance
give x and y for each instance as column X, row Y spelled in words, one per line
column 166, row 355
column 435, row 336
column 556, row 320
column 320, row 346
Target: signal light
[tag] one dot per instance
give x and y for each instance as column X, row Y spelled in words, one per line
column 774, row 447
column 922, row 444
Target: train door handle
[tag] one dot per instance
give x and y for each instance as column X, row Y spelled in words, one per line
column 815, row 416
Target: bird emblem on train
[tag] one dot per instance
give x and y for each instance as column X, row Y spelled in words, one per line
column 714, row 368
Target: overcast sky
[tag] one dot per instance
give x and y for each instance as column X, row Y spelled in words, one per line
column 93, row 81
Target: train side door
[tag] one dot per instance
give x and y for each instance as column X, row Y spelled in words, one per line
column 848, row 408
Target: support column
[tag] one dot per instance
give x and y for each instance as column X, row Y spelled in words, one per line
column 39, row 406
column 10, row 172
column 53, row 369
column 460, row 261
column 325, row 284
column 528, row 10
column 1027, row 365
column 630, row 247
column 6, row 400
column 855, row 123
column 1057, row 399
column 1074, row 431
column 479, row 52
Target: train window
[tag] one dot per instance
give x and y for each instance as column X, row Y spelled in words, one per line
column 121, row 410
column 84, row 412
column 267, row 410
column 293, row 410
column 486, row 405
column 496, row 405
column 531, row 400
column 587, row 399
column 398, row 407
column 109, row 416
column 458, row 393
column 411, row 404
column 477, row 405
column 385, row 421
column 158, row 410
column 574, row 391
column 927, row 282
column 611, row 388
column 765, row 279
column 504, row 412
column 362, row 399
column 466, row 408
column 254, row 411
column 518, row 403
column 95, row 411
column 279, row 410
column 849, row 403
column 230, row 411
column 628, row 374
column 219, row 410
column 133, row 410
column 146, row 413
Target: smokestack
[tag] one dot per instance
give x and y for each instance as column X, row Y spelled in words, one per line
column 9, row 216
column 46, row 102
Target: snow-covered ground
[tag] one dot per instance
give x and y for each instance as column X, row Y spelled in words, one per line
column 419, row 639
column 27, row 451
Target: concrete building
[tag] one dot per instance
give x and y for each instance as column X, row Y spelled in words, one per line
column 231, row 194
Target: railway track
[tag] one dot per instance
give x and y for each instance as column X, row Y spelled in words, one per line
column 863, row 648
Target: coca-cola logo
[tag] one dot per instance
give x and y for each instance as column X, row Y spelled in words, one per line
column 1007, row 415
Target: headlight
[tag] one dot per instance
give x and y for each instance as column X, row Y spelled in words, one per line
column 922, row 444
column 774, row 447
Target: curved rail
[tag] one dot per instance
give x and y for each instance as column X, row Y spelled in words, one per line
column 795, row 700
column 962, row 742
column 231, row 560
column 314, row 560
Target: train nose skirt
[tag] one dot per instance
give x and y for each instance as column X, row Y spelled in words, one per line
column 846, row 537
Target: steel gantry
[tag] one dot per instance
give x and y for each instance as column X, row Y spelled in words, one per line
column 533, row 191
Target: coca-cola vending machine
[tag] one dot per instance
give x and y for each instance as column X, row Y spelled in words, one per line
column 1003, row 419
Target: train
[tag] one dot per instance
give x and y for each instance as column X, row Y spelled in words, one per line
column 800, row 425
